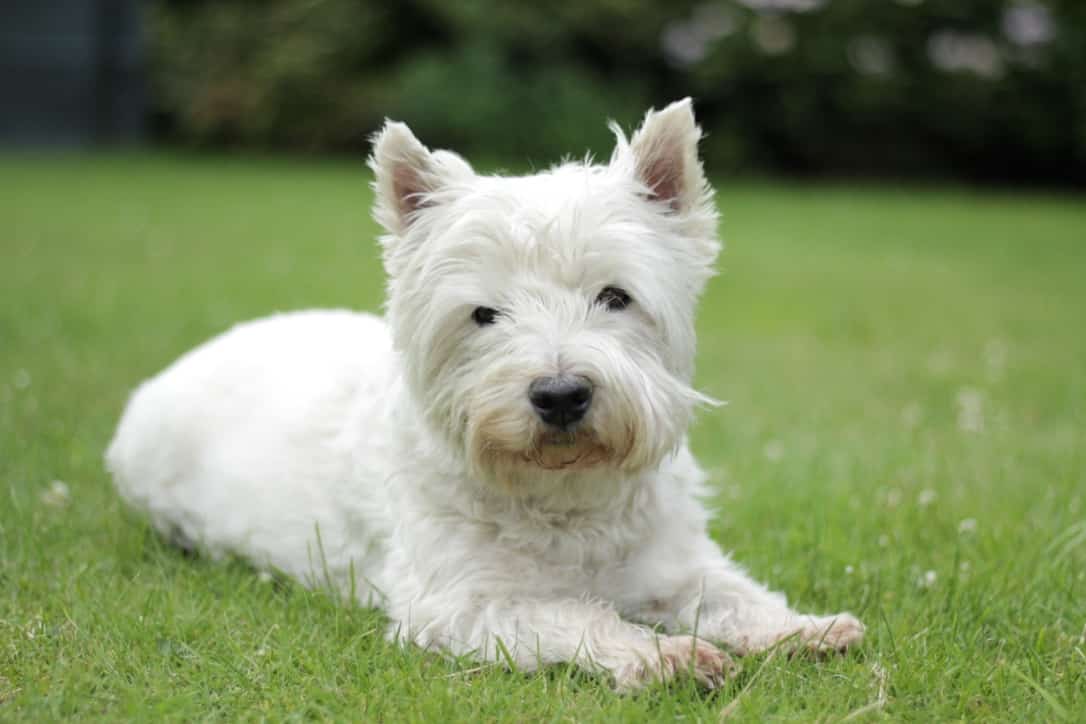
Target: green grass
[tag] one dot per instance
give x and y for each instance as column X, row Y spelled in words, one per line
column 905, row 439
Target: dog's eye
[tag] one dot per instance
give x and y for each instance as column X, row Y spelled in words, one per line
column 484, row 316
column 614, row 298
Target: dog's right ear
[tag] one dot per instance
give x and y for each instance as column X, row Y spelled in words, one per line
column 409, row 177
column 665, row 153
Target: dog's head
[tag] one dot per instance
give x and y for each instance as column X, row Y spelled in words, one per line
column 546, row 322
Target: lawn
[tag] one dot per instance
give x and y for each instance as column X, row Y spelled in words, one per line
column 906, row 371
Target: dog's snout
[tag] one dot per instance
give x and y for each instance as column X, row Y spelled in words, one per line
column 560, row 401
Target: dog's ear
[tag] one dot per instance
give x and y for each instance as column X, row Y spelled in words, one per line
column 665, row 156
column 408, row 176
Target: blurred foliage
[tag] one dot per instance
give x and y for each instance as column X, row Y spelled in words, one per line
column 991, row 89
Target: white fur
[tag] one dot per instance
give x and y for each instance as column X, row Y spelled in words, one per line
column 400, row 459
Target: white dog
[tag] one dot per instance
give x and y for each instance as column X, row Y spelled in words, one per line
column 501, row 462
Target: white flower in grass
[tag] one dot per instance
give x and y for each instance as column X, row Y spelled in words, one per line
column 849, row 570
column 927, row 580
column 970, row 403
column 911, row 415
column 940, row 362
column 968, row 525
column 773, row 450
column 995, row 359
column 926, row 497
column 56, row 495
column 893, row 498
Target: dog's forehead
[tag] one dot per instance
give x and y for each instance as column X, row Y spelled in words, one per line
column 569, row 210
column 558, row 185
column 575, row 228
column 552, row 194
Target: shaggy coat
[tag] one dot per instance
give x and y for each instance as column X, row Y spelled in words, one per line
column 404, row 460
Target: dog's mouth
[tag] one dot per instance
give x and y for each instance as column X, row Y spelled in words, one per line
column 506, row 453
column 562, row 450
column 559, row 439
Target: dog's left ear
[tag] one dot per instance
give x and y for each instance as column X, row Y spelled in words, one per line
column 665, row 157
column 409, row 177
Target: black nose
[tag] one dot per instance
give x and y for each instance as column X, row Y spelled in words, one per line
column 560, row 401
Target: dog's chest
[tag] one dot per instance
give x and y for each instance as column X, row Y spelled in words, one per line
column 575, row 543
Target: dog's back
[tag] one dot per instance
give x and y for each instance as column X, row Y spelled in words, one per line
column 240, row 444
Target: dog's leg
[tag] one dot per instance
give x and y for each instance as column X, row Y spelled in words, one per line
column 731, row 608
column 526, row 634
column 700, row 590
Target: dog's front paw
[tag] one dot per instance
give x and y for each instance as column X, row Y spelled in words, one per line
column 794, row 632
column 832, row 633
column 675, row 656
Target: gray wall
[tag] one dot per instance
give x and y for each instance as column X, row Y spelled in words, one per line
column 71, row 72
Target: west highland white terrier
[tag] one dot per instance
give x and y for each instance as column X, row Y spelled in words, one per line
column 500, row 463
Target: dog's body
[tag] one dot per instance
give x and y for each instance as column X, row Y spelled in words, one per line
column 502, row 466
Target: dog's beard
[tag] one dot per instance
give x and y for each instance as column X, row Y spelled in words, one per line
column 573, row 450
column 542, row 449
column 506, row 447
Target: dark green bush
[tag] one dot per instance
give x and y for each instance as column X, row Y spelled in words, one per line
column 992, row 89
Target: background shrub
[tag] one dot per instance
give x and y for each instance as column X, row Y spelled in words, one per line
column 981, row 89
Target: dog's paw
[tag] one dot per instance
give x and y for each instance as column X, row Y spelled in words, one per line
column 818, row 634
column 676, row 656
column 832, row 633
